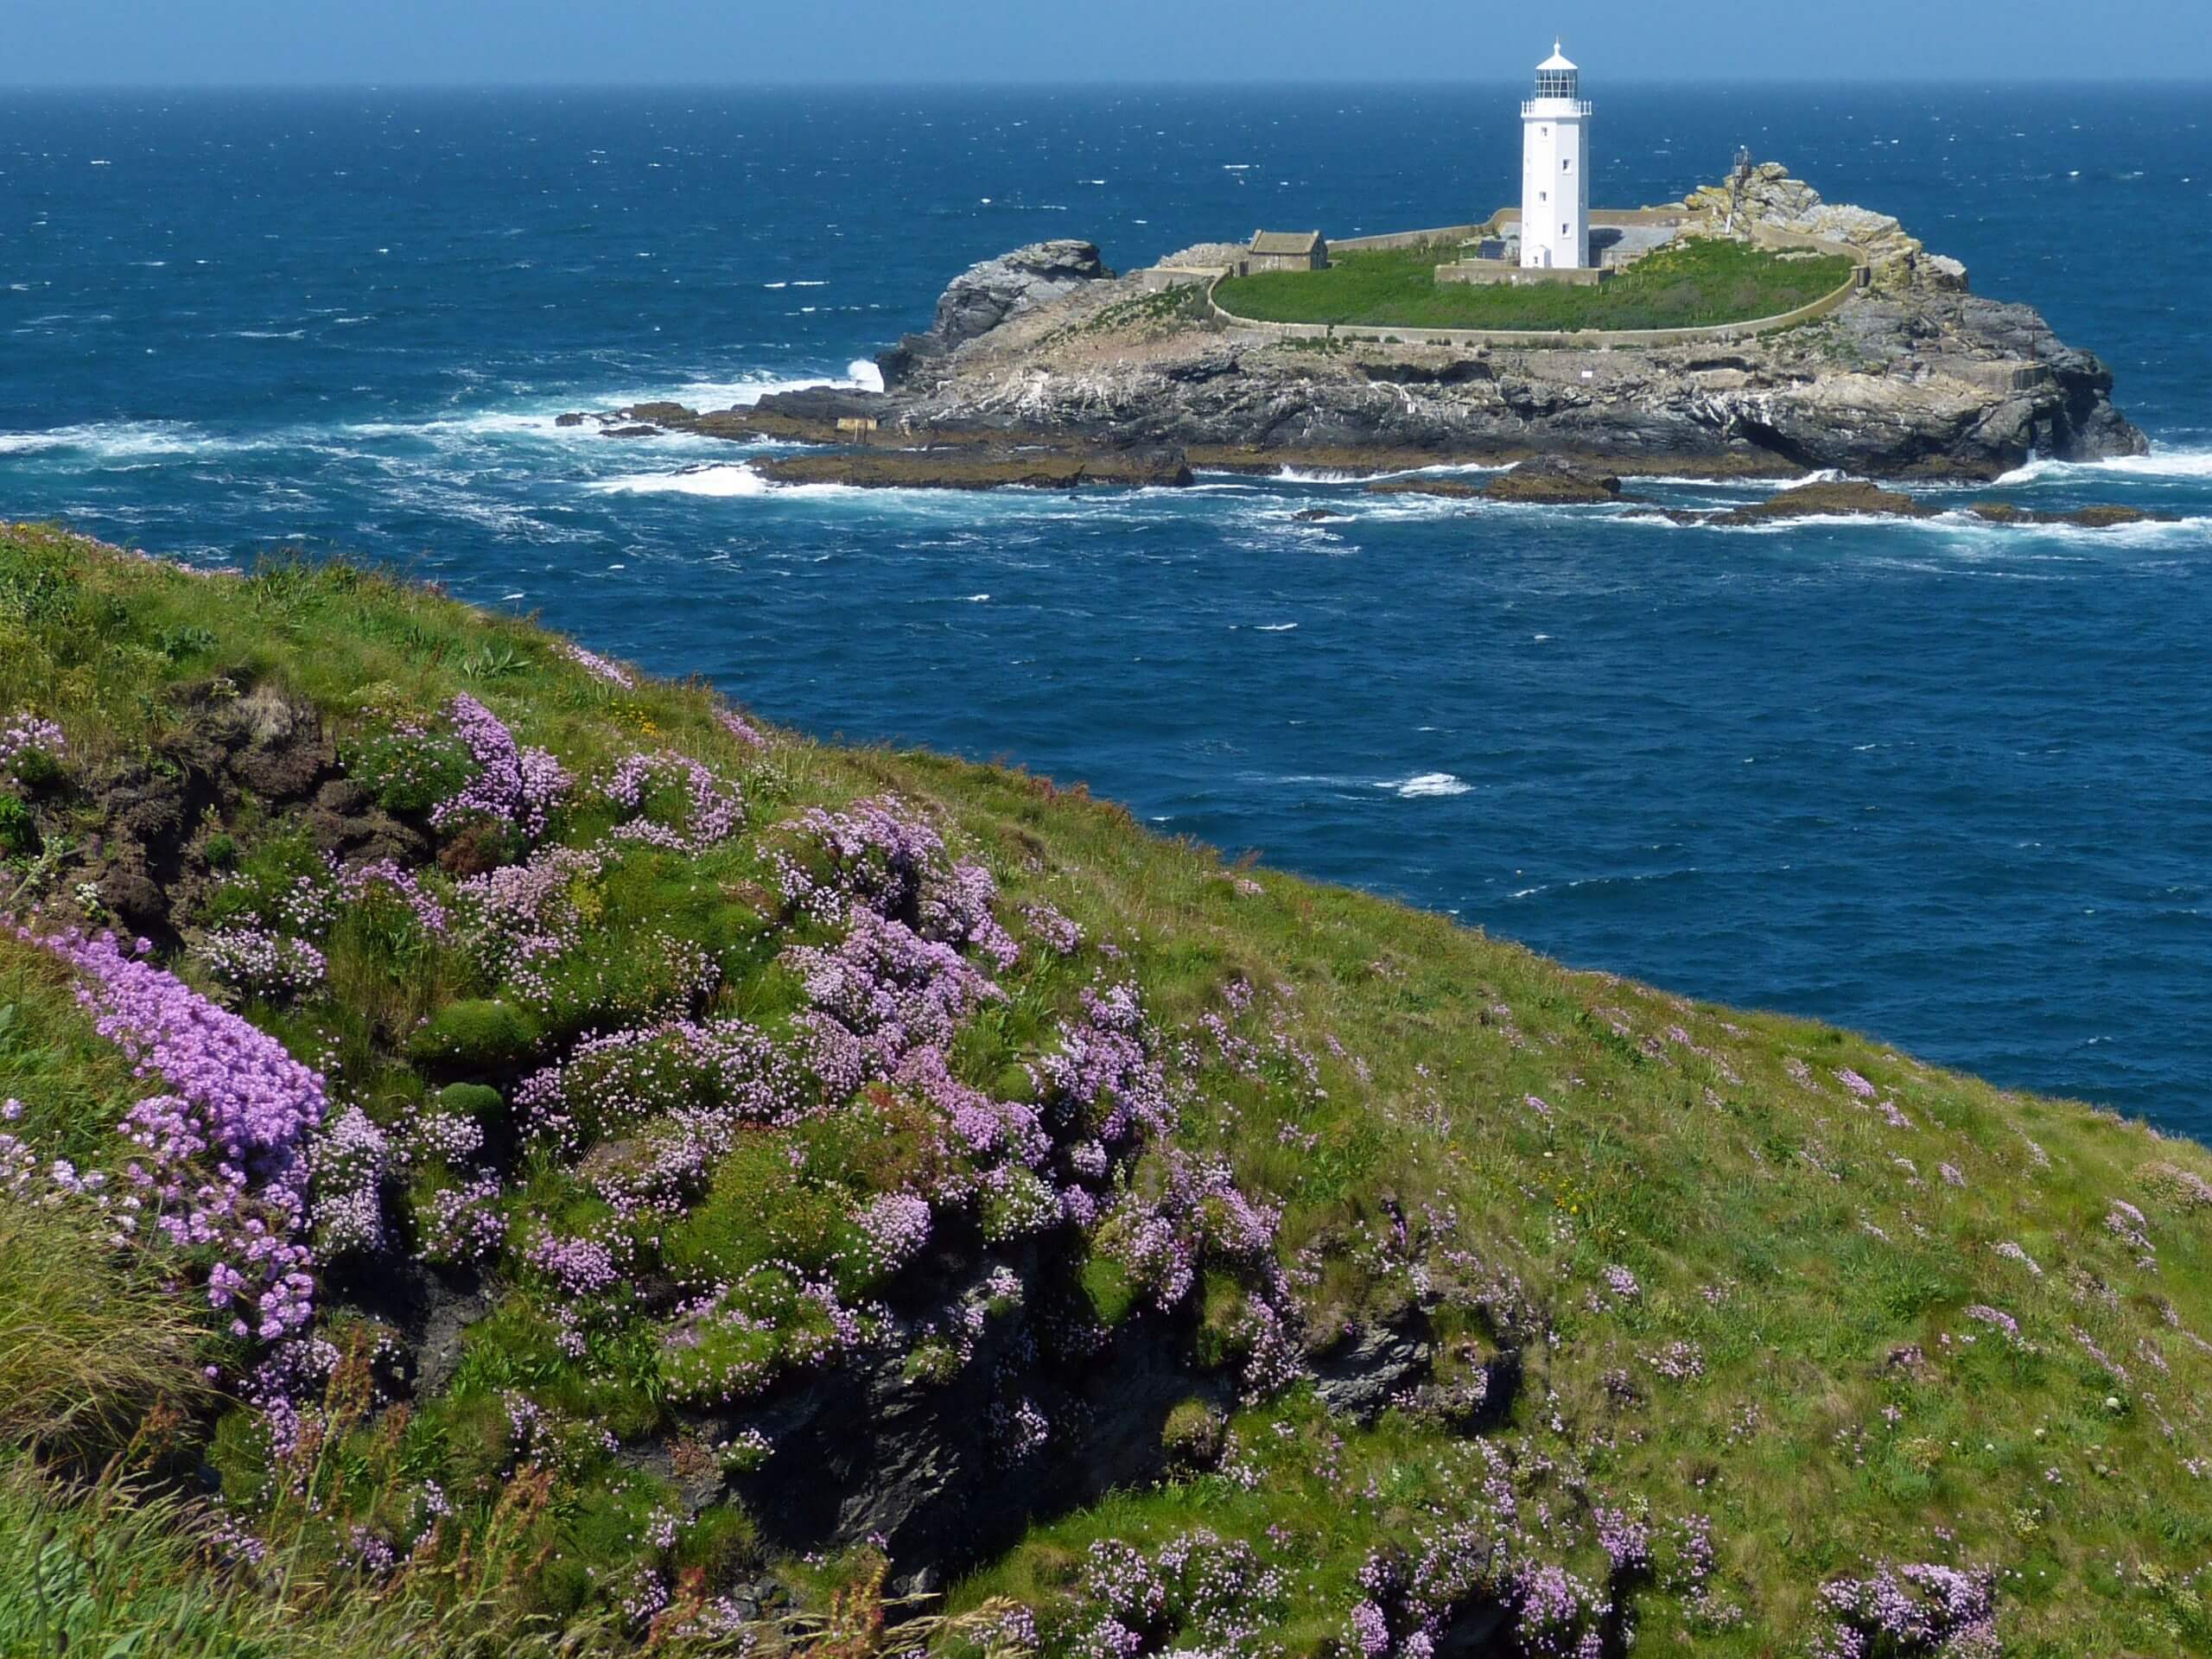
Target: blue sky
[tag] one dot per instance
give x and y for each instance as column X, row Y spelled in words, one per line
column 398, row 42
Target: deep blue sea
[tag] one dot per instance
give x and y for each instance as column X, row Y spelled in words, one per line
column 1950, row 785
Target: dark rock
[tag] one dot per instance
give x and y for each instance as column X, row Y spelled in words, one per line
column 1317, row 515
column 1847, row 497
column 1456, row 489
column 1552, row 481
column 569, row 419
column 635, row 430
column 867, row 1451
column 2094, row 517
column 1356, row 1379
column 979, row 470
column 280, row 752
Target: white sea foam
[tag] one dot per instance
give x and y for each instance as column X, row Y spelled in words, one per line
column 1276, row 627
column 1428, row 786
column 108, row 441
column 2159, row 464
column 698, row 481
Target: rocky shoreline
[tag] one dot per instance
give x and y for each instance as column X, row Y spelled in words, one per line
column 1044, row 368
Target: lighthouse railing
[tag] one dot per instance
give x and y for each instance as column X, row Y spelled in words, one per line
column 1557, row 106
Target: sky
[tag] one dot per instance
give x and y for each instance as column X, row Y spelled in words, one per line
column 691, row 42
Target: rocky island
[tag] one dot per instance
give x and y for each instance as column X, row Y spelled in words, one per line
column 1044, row 367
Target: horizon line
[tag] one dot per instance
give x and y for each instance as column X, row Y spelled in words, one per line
column 1046, row 84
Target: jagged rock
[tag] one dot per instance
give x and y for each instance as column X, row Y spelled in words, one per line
column 994, row 291
column 1357, row 1377
column 1317, row 515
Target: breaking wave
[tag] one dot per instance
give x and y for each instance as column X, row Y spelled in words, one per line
column 1427, row 786
column 732, row 481
column 2176, row 464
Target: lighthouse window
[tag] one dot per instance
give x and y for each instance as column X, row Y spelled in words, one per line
column 1543, row 195
column 1543, row 132
column 1566, row 166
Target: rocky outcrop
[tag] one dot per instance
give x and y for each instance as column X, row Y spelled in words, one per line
column 1555, row 482
column 1549, row 481
column 995, row 291
column 1769, row 197
column 981, row 469
column 1043, row 350
column 1857, row 499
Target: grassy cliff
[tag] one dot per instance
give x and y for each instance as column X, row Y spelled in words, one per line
column 545, row 1162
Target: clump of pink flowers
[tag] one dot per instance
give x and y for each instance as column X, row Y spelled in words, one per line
column 27, row 740
column 673, row 802
column 1914, row 1611
column 511, row 785
column 599, row 667
column 221, row 1166
column 256, row 961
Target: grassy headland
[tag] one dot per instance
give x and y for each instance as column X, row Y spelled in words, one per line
column 1696, row 283
column 724, row 1173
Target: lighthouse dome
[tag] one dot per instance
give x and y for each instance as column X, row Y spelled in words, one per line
column 1557, row 76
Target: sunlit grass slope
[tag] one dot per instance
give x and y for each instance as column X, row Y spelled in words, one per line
column 662, row 1073
column 1694, row 285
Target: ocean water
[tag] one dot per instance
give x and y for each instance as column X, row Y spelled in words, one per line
column 1947, row 783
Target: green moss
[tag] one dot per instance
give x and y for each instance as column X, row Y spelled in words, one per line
column 1107, row 1287
column 475, row 1100
column 477, row 1032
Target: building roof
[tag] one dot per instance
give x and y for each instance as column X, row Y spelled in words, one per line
column 1557, row 60
column 1285, row 241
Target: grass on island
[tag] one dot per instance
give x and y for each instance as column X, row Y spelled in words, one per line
column 1695, row 283
column 1729, row 1310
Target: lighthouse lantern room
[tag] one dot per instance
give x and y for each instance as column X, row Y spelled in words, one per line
column 1555, row 169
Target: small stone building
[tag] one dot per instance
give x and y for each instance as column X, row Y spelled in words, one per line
column 1287, row 251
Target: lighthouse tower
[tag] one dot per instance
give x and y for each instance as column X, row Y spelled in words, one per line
column 1555, row 169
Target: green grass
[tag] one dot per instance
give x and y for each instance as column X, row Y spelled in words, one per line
column 1699, row 283
column 1793, row 1235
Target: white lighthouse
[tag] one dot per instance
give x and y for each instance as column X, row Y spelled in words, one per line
column 1555, row 169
